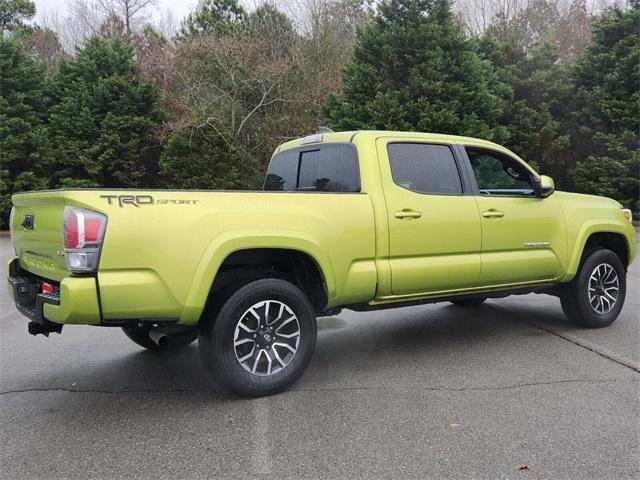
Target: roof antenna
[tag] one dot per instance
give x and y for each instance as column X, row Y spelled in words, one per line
column 323, row 129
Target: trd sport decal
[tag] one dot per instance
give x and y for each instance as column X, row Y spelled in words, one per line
column 141, row 200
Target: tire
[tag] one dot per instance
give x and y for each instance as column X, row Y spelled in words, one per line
column 140, row 335
column 469, row 302
column 594, row 298
column 241, row 341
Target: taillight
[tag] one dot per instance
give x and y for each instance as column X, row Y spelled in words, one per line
column 83, row 232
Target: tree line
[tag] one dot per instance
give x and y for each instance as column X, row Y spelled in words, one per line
column 204, row 106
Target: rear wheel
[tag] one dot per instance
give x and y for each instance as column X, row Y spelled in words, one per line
column 469, row 302
column 594, row 298
column 260, row 339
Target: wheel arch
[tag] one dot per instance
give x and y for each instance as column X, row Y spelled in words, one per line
column 612, row 236
column 294, row 266
column 615, row 242
column 243, row 256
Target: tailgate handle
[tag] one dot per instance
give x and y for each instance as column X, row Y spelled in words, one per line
column 27, row 223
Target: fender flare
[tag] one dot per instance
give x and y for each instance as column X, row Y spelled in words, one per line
column 228, row 242
column 588, row 229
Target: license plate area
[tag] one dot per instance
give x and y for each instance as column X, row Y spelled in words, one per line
column 26, row 292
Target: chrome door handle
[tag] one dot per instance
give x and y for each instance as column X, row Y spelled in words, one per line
column 492, row 213
column 406, row 213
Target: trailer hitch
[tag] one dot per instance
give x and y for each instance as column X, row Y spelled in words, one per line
column 40, row 329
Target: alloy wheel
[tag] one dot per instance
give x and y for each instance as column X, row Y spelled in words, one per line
column 603, row 288
column 266, row 337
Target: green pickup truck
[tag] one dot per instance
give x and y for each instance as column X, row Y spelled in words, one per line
column 360, row 220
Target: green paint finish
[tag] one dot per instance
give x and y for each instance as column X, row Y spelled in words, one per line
column 162, row 249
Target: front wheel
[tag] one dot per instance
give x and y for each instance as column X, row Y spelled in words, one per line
column 262, row 338
column 594, row 298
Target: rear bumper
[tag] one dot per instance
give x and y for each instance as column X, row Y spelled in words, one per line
column 75, row 300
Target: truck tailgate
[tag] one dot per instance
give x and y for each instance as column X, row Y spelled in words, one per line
column 37, row 232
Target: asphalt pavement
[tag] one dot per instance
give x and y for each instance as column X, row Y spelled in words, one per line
column 505, row 390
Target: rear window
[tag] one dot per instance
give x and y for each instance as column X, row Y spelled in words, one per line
column 322, row 168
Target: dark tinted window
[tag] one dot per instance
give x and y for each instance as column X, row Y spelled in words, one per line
column 424, row 168
column 327, row 168
column 498, row 174
column 283, row 171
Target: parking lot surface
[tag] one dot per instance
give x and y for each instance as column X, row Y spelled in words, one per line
column 434, row 391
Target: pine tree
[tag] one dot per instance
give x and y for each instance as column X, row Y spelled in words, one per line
column 413, row 69
column 535, row 113
column 212, row 17
column 14, row 12
column 606, row 78
column 23, row 137
column 102, row 117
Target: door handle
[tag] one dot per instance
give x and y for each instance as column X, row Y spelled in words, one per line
column 493, row 213
column 407, row 213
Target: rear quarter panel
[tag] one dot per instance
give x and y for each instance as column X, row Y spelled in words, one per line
column 159, row 260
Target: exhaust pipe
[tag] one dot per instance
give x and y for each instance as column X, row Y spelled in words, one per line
column 159, row 338
column 164, row 336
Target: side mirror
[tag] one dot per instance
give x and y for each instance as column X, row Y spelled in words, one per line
column 547, row 186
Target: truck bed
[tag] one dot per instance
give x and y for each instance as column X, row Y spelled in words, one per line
column 162, row 247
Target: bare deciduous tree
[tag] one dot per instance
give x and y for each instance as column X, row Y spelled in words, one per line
column 478, row 15
column 526, row 24
column 227, row 82
column 43, row 43
column 132, row 12
column 86, row 17
column 259, row 84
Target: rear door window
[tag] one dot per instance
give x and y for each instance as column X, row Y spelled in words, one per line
column 424, row 168
column 323, row 168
